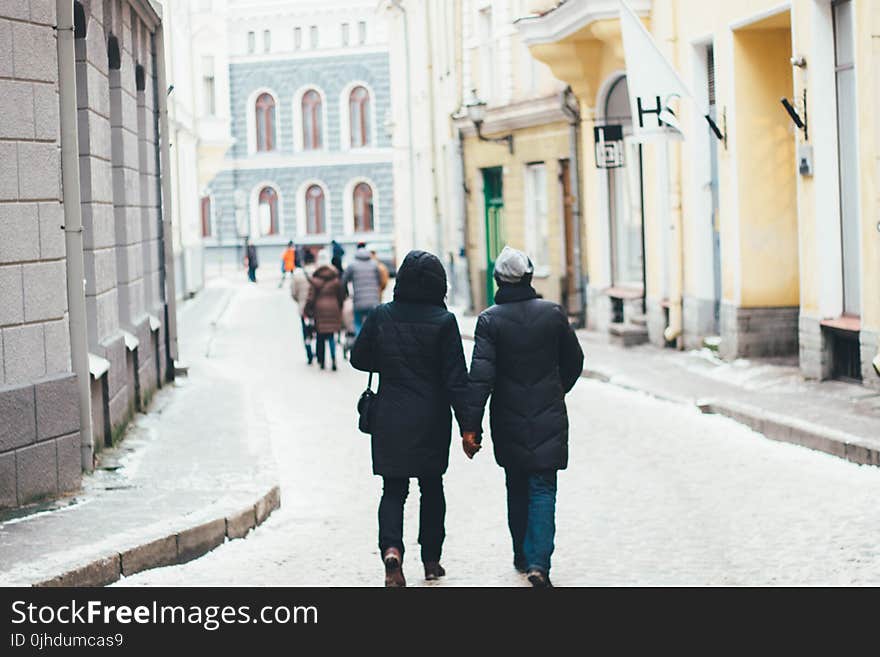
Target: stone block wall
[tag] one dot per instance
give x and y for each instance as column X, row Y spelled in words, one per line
column 39, row 405
column 758, row 332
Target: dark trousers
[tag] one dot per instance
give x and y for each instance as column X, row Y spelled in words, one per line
column 307, row 339
column 252, row 274
column 432, row 515
column 531, row 516
column 329, row 338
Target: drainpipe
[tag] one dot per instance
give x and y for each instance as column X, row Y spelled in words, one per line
column 572, row 112
column 409, row 123
column 165, row 206
column 673, row 162
column 73, row 229
column 433, row 140
column 464, row 223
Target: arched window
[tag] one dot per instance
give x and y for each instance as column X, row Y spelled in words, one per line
column 267, row 211
column 311, row 114
column 265, row 115
column 359, row 116
column 315, row 210
column 363, row 208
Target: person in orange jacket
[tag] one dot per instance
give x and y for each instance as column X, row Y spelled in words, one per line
column 288, row 262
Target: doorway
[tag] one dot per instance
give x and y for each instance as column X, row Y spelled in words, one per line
column 569, row 287
column 625, row 206
column 847, row 146
column 493, row 201
column 713, row 192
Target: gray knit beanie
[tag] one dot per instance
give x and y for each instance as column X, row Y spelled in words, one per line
column 512, row 265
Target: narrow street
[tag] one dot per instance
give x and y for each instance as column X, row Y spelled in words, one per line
column 656, row 494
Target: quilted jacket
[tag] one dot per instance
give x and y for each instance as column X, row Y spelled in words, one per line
column 527, row 357
column 414, row 344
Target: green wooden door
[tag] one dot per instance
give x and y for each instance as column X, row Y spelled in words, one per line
column 494, row 203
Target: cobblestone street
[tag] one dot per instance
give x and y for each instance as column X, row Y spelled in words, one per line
column 656, row 493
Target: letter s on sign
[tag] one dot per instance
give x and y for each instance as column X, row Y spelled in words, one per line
column 17, row 609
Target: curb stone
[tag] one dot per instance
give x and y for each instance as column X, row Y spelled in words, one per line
column 771, row 425
column 176, row 548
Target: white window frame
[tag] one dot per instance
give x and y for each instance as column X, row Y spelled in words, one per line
column 298, row 142
column 345, row 117
column 348, row 209
column 251, row 114
column 254, row 207
column 301, row 218
column 537, row 220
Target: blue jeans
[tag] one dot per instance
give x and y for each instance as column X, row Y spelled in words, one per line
column 359, row 317
column 531, row 516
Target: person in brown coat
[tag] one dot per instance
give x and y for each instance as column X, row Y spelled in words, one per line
column 324, row 305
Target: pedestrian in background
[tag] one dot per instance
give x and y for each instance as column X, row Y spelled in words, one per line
column 299, row 290
column 324, row 305
column 527, row 357
column 383, row 272
column 336, row 258
column 288, row 262
column 413, row 344
column 365, row 278
column 250, row 260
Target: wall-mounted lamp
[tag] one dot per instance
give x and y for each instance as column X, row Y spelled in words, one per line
column 476, row 112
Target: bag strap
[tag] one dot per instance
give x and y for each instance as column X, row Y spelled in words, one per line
column 370, row 381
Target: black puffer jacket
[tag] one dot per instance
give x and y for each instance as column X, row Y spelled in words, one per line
column 527, row 357
column 414, row 344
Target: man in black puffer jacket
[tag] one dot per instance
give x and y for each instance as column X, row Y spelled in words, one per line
column 414, row 345
column 527, row 357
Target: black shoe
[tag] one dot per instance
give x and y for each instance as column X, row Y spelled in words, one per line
column 334, row 366
column 539, row 579
column 321, row 363
column 433, row 570
column 519, row 563
column 393, row 561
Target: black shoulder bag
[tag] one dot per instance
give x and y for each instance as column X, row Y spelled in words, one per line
column 365, row 407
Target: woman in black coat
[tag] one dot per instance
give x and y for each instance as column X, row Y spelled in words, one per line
column 414, row 345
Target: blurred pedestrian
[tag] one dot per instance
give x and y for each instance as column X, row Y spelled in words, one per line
column 527, row 357
column 365, row 278
column 288, row 262
column 250, row 260
column 336, row 258
column 299, row 290
column 383, row 272
column 413, row 344
column 324, row 305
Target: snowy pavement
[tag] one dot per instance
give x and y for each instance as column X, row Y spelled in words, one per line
column 656, row 493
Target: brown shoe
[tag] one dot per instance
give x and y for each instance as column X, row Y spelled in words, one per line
column 433, row 570
column 393, row 568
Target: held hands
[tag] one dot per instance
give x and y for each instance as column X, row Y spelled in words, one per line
column 469, row 443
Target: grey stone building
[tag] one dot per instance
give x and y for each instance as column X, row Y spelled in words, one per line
column 80, row 200
column 311, row 160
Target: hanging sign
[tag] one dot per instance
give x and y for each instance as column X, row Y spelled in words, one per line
column 609, row 146
column 654, row 84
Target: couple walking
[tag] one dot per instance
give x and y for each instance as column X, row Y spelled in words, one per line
column 526, row 357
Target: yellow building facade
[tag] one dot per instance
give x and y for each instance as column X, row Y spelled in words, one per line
column 761, row 232
column 520, row 176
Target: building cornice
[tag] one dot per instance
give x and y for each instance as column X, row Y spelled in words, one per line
column 569, row 17
column 149, row 11
column 516, row 116
column 311, row 159
column 304, row 55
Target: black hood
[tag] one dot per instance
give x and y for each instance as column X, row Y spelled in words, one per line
column 421, row 279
